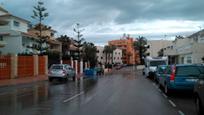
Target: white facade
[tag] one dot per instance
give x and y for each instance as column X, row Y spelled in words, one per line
column 117, row 56
column 13, row 34
column 156, row 45
column 101, row 56
column 187, row 50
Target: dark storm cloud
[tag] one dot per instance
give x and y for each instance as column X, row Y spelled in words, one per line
column 106, row 19
column 119, row 11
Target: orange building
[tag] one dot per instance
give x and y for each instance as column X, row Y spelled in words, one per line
column 130, row 56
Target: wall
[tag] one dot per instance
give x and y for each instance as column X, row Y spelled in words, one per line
column 22, row 66
column 101, row 54
column 117, row 56
column 14, row 44
column 2, row 13
column 156, row 45
column 23, row 26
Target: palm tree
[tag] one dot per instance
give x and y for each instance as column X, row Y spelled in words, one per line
column 140, row 45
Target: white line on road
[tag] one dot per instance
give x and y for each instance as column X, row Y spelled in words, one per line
column 180, row 112
column 71, row 98
column 164, row 95
column 172, row 103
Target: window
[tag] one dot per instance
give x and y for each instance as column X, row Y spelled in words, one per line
column 156, row 63
column 15, row 23
column 101, row 57
column 1, row 38
column 51, row 34
column 189, row 60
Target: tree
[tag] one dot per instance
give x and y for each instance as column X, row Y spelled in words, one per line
column 79, row 42
column 89, row 53
column 161, row 52
column 39, row 14
column 66, row 42
column 141, row 45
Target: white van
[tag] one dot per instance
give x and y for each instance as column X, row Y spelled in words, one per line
column 151, row 64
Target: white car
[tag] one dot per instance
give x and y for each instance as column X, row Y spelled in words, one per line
column 61, row 71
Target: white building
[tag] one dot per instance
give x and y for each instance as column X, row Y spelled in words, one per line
column 156, row 45
column 117, row 56
column 15, row 37
column 186, row 50
column 103, row 58
column 13, row 34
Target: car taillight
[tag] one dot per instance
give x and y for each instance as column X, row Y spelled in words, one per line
column 173, row 74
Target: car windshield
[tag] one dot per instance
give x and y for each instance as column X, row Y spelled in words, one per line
column 57, row 67
column 156, row 63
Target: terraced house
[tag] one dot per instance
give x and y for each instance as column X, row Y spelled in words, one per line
column 186, row 50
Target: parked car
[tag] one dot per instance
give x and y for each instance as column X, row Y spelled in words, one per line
column 160, row 72
column 61, row 71
column 180, row 77
column 199, row 93
column 99, row 70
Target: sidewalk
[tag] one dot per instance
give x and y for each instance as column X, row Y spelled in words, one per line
column 25, row 80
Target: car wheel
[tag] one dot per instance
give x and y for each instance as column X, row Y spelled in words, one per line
column 198, row 106
column 65, row 79
column 50, row 79
column 73, row 78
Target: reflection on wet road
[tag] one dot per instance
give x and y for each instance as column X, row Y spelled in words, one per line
column 124, row 92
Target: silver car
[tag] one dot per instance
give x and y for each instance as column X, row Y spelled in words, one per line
column 61, row 71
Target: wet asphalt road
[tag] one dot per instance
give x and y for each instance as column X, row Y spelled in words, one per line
column 124, row 92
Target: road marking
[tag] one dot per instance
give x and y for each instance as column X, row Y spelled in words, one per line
column 180, row 112
column 71, row 98
column 159, row 90
column 172, row 103
column 164, row 95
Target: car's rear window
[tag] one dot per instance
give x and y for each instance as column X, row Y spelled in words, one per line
column 57, row 67
column 187, row 70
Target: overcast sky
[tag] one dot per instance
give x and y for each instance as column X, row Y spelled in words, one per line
column 105, row 20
